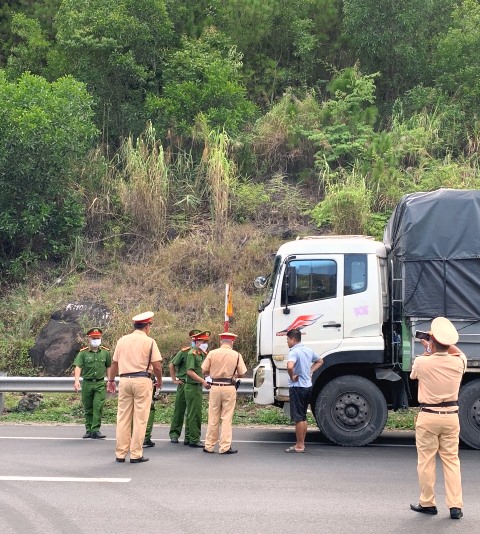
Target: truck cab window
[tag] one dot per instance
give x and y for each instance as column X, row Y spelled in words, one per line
column 310, row 280
column 355, row 274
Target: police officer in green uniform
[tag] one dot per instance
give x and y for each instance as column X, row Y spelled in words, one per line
column 92, row 363
column 178, row 374
column 193, row 388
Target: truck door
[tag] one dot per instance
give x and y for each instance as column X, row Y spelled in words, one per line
column 312, row 295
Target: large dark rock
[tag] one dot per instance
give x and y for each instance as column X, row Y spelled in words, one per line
column 60, row 340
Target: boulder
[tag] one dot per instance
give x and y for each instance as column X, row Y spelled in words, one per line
column 60, row 340
column 29, row 402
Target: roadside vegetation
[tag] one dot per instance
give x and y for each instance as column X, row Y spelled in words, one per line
column 65, row 408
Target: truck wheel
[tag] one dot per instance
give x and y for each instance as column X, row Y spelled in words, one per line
column 351, row 411
column 469, row 414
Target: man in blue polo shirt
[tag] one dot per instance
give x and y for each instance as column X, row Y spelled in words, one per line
column 302, row 363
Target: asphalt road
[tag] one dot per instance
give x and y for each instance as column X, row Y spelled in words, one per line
column 52, row 481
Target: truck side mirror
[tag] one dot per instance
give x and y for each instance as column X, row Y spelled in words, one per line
column 260, row 282
column 291, row 281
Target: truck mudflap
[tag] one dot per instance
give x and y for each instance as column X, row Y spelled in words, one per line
column 263, row 389
column 469, row 413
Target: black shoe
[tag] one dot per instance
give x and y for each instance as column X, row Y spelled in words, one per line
column 97, row 435
column 206, row 450
column 148, row 443
column 430, row 510
column 198, row 445
column 186, row 443
column 120, row 460
column 138, row 460
column 87, row 435
column 230, row 451
column 456, row 513
column 173, row 440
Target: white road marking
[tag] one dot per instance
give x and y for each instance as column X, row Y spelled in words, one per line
column 63, row 479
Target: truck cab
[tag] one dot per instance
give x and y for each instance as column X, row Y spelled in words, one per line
column 334, row 290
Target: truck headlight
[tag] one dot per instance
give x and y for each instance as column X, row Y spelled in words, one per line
column 259, row 377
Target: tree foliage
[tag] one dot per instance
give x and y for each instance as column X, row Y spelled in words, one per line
column 353, row 102
column 457, row 56
column 395, row 39
column 117, row 48
column 202, row 77
column 285, row 43
column 45, row 129
column 31, row 51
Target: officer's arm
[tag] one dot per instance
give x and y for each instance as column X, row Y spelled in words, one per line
column 193, row 375
column 78, row 371
column 173, row 373
column 111, row 373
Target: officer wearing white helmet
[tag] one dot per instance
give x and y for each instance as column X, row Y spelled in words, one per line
column 136, row 357
column 439, row 372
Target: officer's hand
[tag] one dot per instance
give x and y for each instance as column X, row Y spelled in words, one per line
column 111, row 387
column 76, row 386
column 427, row 346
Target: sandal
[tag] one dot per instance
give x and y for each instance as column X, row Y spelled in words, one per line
column 293, row 449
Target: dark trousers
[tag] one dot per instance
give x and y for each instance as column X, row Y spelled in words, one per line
column 93, row 399
column 193, row 424
column 179, row 414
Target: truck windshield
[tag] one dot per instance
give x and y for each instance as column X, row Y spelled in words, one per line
column 271, row 283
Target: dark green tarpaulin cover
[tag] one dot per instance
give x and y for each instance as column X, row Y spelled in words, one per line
column 434, row 242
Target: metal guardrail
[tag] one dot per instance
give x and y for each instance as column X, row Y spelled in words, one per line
column 64, row 384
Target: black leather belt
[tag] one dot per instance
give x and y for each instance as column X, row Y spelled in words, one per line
column 94, row 379
column 437, row 411
column 140, row 374
column 221, row 384
column 227, row 381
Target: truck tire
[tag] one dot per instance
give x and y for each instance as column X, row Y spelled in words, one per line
column 351, row 411
column 469, row 413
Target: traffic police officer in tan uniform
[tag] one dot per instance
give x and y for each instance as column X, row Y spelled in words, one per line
column 439, row 372
column 178, row 374
column 224, row 365
column 136, row 357
column 193, row 388
column 92, row 363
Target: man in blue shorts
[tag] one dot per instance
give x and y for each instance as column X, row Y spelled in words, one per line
column 302, row 363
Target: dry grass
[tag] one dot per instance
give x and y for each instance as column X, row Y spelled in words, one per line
column 184, row 284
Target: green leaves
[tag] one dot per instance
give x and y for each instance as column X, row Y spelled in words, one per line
column 457, row 55
column 117, row 48
column 202, row 78
column 44, row 130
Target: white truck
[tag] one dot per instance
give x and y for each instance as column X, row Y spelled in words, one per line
column 358, row 303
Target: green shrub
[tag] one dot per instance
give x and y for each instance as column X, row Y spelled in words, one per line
column 346, row 207
column 249, row 200
column 45, row 129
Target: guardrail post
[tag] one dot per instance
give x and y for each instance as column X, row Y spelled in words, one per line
column 2, row 399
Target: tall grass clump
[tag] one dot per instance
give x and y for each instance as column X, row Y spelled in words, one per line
column 220, row 173
column 144, row 185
